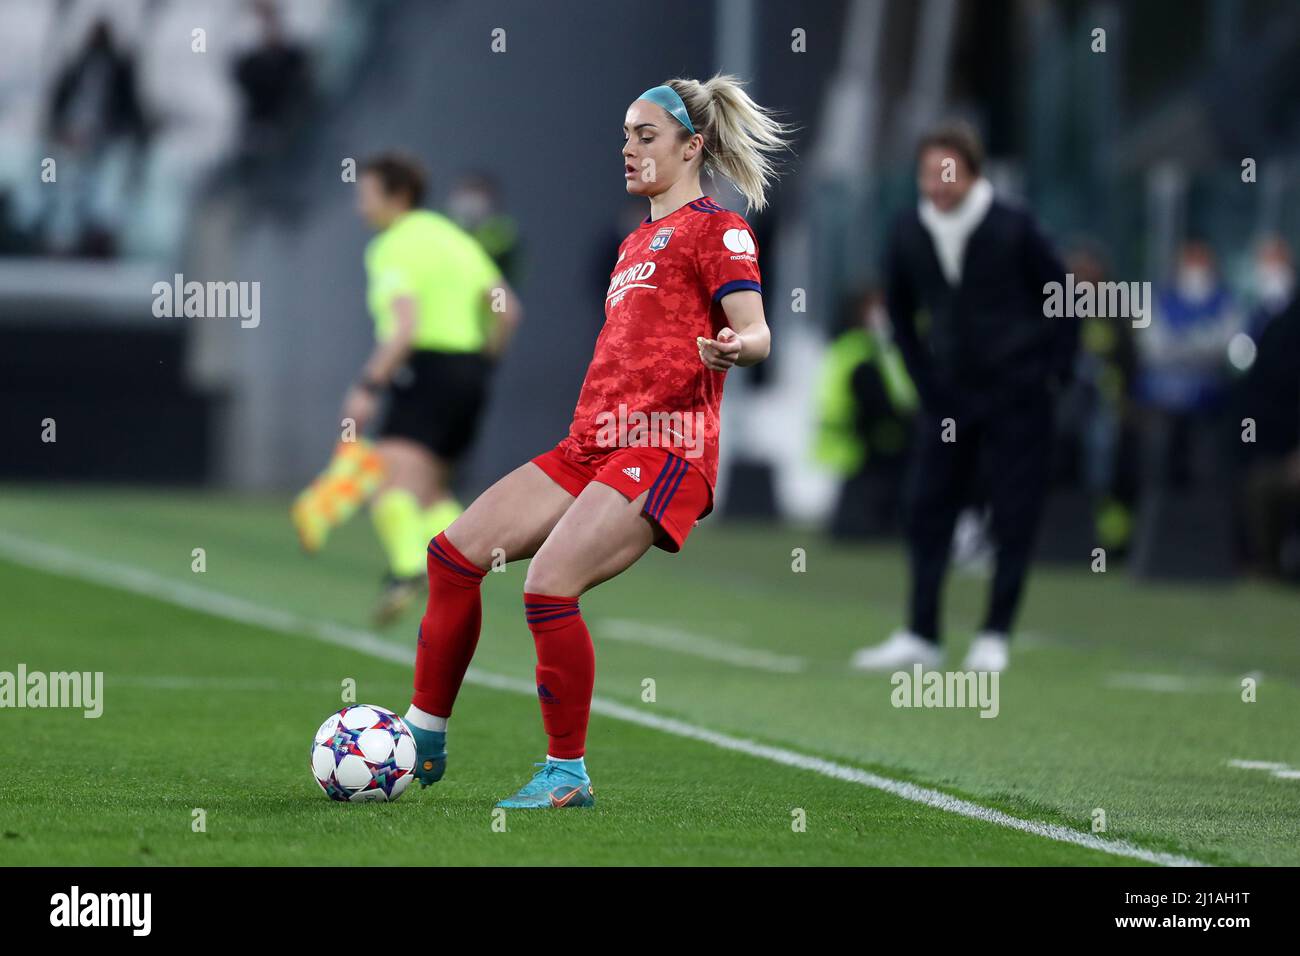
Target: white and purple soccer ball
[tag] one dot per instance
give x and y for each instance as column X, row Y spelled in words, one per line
column 363, row 753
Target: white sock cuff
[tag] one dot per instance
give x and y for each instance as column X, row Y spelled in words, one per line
column 425, row 721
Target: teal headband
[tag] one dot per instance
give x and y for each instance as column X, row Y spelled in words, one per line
column 668, row 98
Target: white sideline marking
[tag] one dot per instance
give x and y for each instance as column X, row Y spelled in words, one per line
column 1178, row 684
column 1257, row 764
column 1160, row 683
column 1282, row 771
column 1171, row 683
column 183, row 682
column 697, row 645
column 45, row 557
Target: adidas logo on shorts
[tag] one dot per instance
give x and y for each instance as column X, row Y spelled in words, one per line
column 633, row 473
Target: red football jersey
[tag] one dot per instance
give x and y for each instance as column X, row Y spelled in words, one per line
column 646, row 385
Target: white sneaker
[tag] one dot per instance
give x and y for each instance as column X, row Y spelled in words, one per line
column 902, row 649
column 988, row 652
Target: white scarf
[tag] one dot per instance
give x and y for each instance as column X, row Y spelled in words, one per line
column 950, row 230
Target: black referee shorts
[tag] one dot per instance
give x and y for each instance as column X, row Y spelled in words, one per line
column 437, row 399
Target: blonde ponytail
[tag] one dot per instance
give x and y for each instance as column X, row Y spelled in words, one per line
column 740, row 137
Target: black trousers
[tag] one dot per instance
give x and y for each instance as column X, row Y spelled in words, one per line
column 1008, row 451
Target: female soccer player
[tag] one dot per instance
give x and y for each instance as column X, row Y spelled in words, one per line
column 641, row 457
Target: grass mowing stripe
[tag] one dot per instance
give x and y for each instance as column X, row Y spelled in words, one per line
column 39, row 556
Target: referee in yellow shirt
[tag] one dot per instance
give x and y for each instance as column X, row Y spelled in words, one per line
column 443, row 313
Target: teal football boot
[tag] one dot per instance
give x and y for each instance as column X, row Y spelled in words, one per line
column 430, row 754
column 556, row 784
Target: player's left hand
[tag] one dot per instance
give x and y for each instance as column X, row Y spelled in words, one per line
column 721, row 353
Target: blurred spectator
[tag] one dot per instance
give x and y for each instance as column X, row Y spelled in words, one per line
column 475, row 205
column 275, row 79
column 97, row 125
column 138, row 122
column 1274, row 284
column 865, row 404
column 1183, row 370
column 1098, row 412
column 1269, row 395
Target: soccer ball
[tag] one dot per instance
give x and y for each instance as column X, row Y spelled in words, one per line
column 363, row 753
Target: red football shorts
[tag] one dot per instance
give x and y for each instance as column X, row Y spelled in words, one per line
column 678, row 496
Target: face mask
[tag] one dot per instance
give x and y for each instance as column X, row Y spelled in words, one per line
column 468, row 208
column 1273, row 285
column 878, row 321
column 1195, row 283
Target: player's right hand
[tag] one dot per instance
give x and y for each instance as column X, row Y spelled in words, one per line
column 721, row 353
column 359, row 405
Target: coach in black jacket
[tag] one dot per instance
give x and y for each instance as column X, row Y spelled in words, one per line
column 964, row 284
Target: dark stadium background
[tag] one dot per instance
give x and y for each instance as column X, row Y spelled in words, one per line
column 1092, row 141
column 1162, row 694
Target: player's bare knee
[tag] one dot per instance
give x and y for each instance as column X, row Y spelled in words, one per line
column 548, row 577
column 472, row 543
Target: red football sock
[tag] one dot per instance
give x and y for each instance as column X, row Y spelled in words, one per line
column 449, row 628
column 566, row 671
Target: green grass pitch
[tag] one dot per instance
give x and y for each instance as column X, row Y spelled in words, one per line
column 1121, row 699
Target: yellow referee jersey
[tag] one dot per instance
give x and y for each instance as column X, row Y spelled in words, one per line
column 429, row 258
